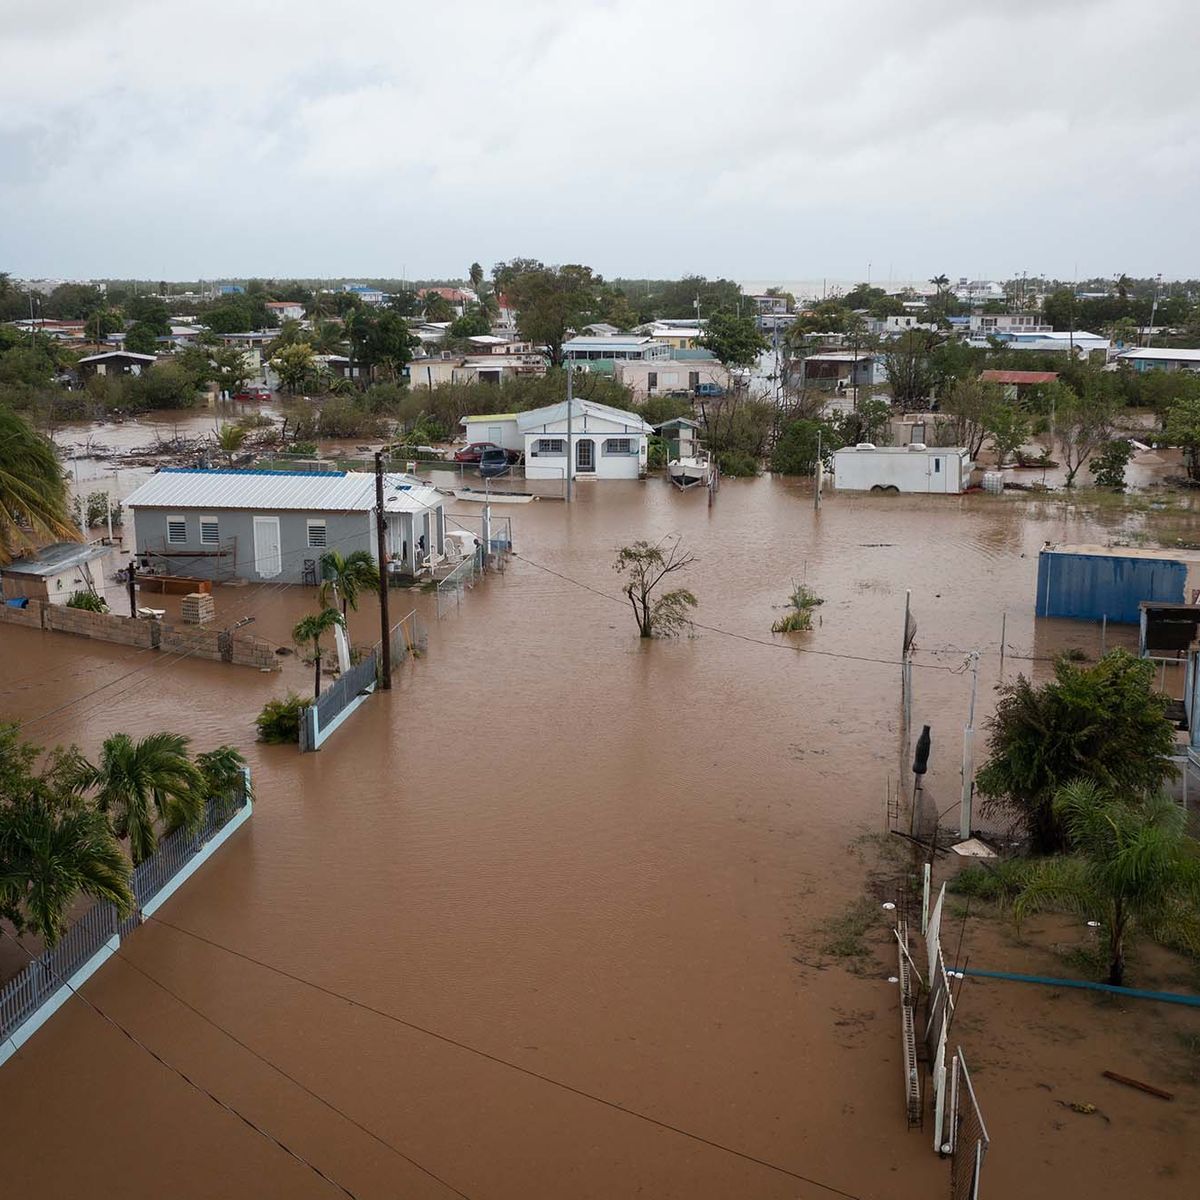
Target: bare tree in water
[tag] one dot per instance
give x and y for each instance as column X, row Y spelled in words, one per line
column 645, row 566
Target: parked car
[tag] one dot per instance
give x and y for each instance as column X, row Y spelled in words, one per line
column 253, row 395
column 494, row 461
column 473, row 452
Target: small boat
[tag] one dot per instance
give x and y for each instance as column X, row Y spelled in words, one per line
column 479, row 496
column 691, row 470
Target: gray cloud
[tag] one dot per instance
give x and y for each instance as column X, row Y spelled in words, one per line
column 774, row 139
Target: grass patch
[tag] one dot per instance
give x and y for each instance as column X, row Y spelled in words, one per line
column 844, row 936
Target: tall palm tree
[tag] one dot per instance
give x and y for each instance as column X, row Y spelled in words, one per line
column 1133, row 866
column 940, row 282
column 311, row 629
column 140, row 784
column 348, row 577
column 33, row 491
column 52, row 847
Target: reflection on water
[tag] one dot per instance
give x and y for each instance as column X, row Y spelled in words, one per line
column 585, row 854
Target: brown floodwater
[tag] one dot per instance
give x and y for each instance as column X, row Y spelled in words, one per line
column 600, row 867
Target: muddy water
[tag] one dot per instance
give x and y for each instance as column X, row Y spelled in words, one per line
column 601, row 861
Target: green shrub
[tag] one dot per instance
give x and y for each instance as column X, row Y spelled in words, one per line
column 737, row 463
column 279, row 721
column 998, row 882
column 88, row 601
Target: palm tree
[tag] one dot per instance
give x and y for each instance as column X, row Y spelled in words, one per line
column 940, row 282
column 138, row 784
column 1132, row 866
column 230, row 439
column 326, row 337
column 476, row 277
column 347, row 577
column 52, row 847
column 33, row 492
column 312, row 629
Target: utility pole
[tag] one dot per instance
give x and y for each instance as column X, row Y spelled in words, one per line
column 968, row 767
column 1153, row 310
column 818, row 475
column 133, row 588
column 570, row 404
column 385, row 624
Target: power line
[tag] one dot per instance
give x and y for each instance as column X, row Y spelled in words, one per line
column 744, row 637
column 158, row 1058
column 528, row 1071
column 291, row 1078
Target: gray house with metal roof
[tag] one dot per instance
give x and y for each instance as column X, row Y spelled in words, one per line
column 276, row 525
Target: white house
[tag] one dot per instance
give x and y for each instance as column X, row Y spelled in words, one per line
column 1079, row 342
column 472, row 368
column 1161, row 359
column 606, row 443
column 700, row 374
column 614, row 349
column 285, row 310
column 914, row 468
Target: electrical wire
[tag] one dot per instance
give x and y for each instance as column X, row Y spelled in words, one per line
column 290, row 1078
column 158, row 1058
column 744, row 637
column 523, row 1070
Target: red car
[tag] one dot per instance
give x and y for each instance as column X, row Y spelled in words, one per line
column 473, row 452
column 253, row 395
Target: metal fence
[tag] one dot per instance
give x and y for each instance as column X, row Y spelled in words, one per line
column 968, row 1134
column 320, row 715
column 408, row 638
column 466, row 574
column 23, row 995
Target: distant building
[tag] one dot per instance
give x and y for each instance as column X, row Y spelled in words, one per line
column 1080, row 342
column 285, row 310
column 837, row 370
column 115, row 362
column 774, row 305
column 999, row 323
column 979, row 291
column 229, row 289
column 366, row 293
column 472, row 368
column 698, row 374
column 1164, row 359
column 1017, row 383
column 614, row 349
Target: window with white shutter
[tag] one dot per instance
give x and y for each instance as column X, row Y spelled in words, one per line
column 210, row 531
column 316, row 535
column 176, row 531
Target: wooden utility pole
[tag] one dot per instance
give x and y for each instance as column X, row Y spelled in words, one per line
column 385, row 624
column 133, row 588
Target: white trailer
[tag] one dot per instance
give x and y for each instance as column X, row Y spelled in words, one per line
column 945, row 470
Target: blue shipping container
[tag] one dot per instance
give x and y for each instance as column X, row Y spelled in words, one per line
column 1092, row 586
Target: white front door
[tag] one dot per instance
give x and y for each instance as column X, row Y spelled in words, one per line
column 268, row 556
column 585, row 455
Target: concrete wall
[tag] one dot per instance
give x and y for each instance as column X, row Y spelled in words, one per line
column 344, row 532
column 211, row 644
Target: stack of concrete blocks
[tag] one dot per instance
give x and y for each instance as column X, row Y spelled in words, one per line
column 197, row 608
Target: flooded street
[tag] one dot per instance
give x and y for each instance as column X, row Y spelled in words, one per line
column 574, row 884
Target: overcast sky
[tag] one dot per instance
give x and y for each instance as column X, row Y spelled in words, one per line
column 774, row 139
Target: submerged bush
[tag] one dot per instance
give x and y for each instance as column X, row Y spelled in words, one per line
column 279, row 721
column 801, row 604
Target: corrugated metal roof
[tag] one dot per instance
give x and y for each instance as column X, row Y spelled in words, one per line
column 579, row 408
column 309, row 491
column 50, row 560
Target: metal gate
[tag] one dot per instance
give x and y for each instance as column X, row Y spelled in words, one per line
column 968, row 1134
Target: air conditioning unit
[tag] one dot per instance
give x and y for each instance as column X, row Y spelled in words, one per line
column 916, row 445
column 865, row 446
